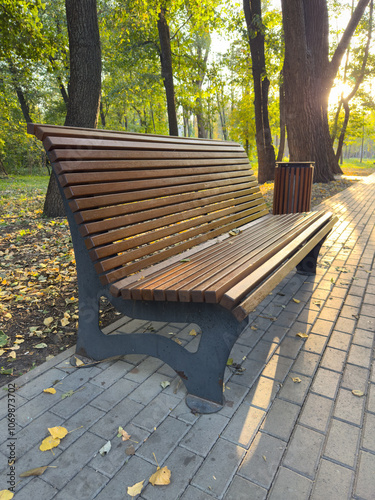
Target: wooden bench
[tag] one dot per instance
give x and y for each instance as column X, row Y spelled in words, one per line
column 176, row 230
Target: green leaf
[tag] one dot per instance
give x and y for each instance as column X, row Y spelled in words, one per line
column 3, row 339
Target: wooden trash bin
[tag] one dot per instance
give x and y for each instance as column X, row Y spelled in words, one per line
column 292, row 189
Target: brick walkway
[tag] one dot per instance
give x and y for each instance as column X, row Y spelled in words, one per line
column 291, row 427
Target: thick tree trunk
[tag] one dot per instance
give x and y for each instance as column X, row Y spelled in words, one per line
column 167, row 71
column 84, row 84
column 308, row 79
column 266, row 153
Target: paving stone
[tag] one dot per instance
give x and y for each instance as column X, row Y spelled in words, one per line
column 37, row 385
column 37, row 488
column 345, row 325
column 262, row 460
column 349, row 312
column 263, row 351
column 363, row 338
column 353, row 300
column 32, row 409
column 295, row 392
column 315, row 343
column 275, row 333
column 244, row 425
column 204, row 433
column 369, row 432
column 360, row 356
column 333, row 359
column 148, row 389
column 218, row 468
column 326, row 383
column 111, row 374
column 156, row 411
column 233, row 396
column 262, row 393
column 192, row 493
column 349, row 407
column 322, row 326
column 371, row 398
column 290, row 347
column 119, row 415
column 114, row 394
column 164, row 439
column 365, row 481
column 144, row 370
column 340, row 340
column 85, row 485
column 184, row 413
column 78, row 378
column 252, row 368
column 117, row 457
column 303, row 452
column 242, row 489
column 250, row 337
column 367, row 310
column 308, row 315
column 183, row 464
column 277, row 368
column 72, row 460
column 306, row 363
column 280, row 419
column 355, row 377
column 80, row 422
column 290, row 485
column 134, row 471
column 316, row 412
column 342, row 443
column 366, row 323
column 333, row 481
column 70, row 405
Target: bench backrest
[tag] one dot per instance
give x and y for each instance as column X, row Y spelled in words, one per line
column 139, row 199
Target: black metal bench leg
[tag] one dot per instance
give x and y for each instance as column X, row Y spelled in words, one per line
column 307, row 266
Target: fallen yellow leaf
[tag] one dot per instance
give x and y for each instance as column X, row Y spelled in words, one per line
column 38, row 471
column 121, row 433
column 6, row 495
column 193, row 333
column 302, row 335
column 135, row 489
column 161, row 477
column 296, row 380
column 64, row 322
column 48, row 443
column 12, row 355
column 58, row 432
column 296, row 301
column 50, row 390
column 358, row 393
column 48, row 321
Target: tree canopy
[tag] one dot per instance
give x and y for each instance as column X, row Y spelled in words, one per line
column 192, row 62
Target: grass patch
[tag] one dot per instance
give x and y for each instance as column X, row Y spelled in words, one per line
column 22, row 195
column 352, row 166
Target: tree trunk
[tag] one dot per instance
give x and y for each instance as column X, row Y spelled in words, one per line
column 167, row 71
column 266, row 153
column 20, row 94
column 84, row 84
column 308, row 79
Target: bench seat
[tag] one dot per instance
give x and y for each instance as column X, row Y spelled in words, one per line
column 173, row 229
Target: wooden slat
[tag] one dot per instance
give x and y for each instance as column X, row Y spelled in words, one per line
column 195, row 238
column 114, row 165
column 89, row 178
column 78, row 155
column 166, row 285
column 120, row 187
column 121, row 287
column 249, row 304
column 233, row 296
column 152, row 213
column 42, row 131
column 55, row 142
column 112, row 199
column 98, row 214
column 152, row 232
